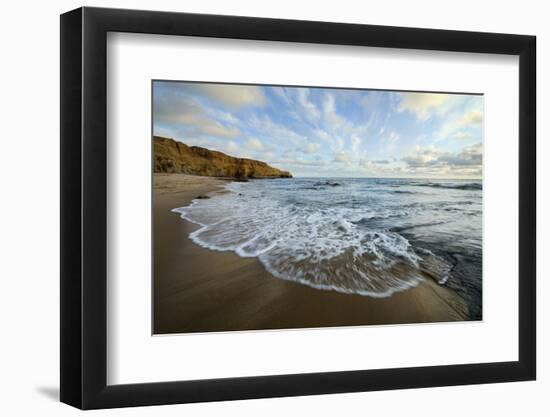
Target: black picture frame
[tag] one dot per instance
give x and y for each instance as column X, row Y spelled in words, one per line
column 84, row 207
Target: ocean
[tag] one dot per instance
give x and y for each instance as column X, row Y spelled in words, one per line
column 371, row 237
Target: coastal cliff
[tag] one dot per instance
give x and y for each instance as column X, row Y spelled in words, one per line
column 171, row 156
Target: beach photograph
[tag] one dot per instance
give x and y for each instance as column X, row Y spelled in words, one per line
column 285, row 207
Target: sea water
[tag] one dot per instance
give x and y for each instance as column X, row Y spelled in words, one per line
column 371, row 237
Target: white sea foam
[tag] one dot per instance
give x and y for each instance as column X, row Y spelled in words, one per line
column 324, row 237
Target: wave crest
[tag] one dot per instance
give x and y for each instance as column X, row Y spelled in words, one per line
column 326, row 248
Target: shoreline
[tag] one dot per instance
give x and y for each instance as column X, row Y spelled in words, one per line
column 199, row 290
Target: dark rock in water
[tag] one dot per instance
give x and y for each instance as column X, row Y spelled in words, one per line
column 329, row 183
column 203, row 197
column 470, row 186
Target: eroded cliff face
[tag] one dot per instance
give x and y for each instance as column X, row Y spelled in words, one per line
column 171, row 156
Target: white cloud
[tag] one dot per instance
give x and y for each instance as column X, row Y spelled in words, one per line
column 456, row 125
column 421, row 157
column 323, row 135
column 435, row 161
column 233, row 96
column 224, row 116
column 311, row 148
column 213, row 128
column 310, row 109
column 462, row 135
column 472, row 118
column 276, row 132
column 342, row 157
column 355, row 142
column 282, row 94
column 331, row 132
column 232, row 146
column 423, row 105
column 329, row 110
column 388, row 142
column 254, row 144
column 184, row 111
column 381, row 167
column 340, row 126
column 291, row 160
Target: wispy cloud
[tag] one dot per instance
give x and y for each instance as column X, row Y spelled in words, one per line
column 327, row 132
column 423, row 105
column 185, row 112
column 309, row 109
column 254, row 144
column 342, row 157
column 231, row 95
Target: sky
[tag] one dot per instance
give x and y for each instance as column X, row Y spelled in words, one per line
column 325, row 132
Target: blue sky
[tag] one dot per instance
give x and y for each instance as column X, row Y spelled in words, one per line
column 323, row 132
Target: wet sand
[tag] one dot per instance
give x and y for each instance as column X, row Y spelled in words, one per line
column 198, row 290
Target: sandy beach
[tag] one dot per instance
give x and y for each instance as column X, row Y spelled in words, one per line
column 199, row 290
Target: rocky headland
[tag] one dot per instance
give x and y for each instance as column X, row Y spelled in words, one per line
column 171, row 156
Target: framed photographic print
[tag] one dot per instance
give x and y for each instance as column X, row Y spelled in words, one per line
column 259, row 207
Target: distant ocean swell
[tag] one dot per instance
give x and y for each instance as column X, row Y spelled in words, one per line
column 355, row 236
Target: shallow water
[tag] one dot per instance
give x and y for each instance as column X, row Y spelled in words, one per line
column 371, row 237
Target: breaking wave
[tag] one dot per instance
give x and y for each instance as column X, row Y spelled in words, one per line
column 338, row 239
